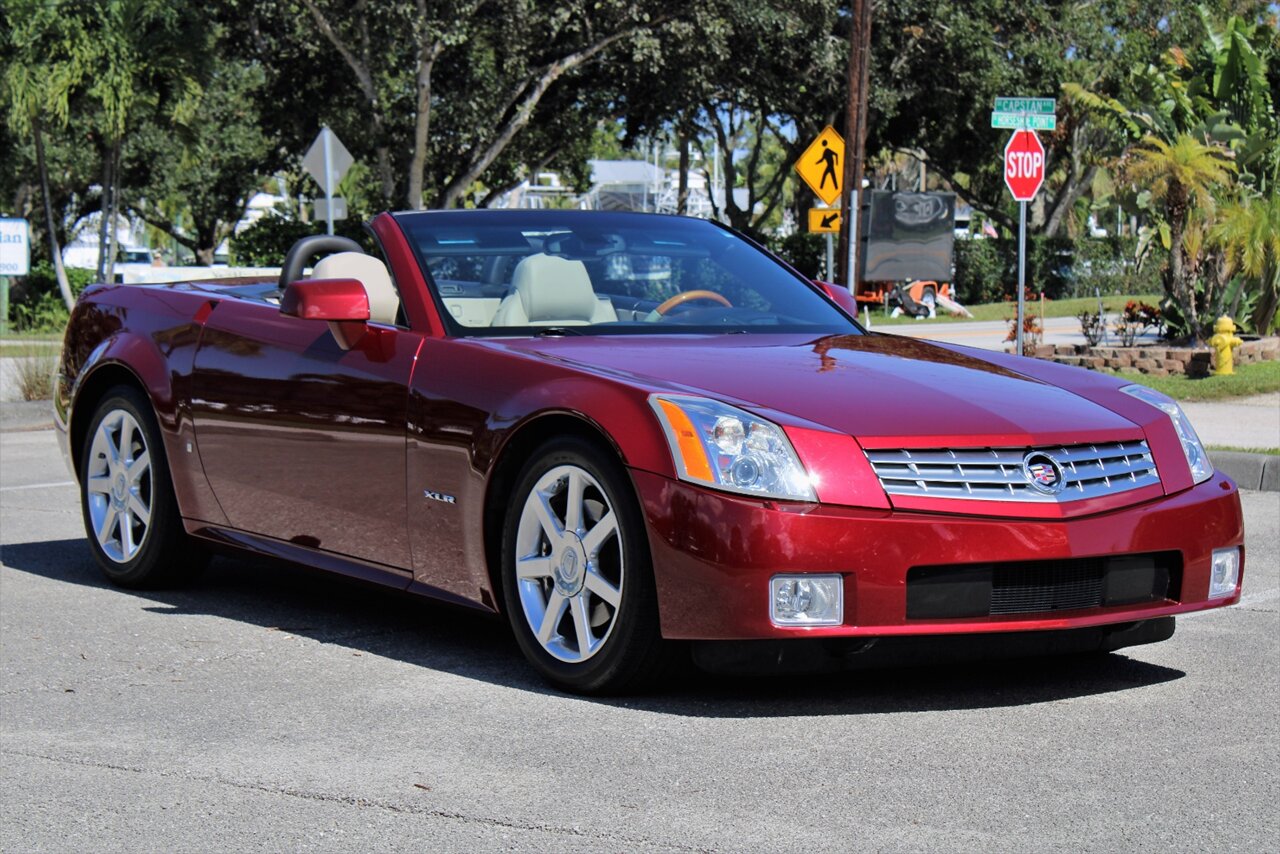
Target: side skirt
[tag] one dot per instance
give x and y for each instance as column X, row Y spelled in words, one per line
column 231, row 541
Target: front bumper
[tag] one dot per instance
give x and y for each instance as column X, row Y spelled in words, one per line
column 713, row 555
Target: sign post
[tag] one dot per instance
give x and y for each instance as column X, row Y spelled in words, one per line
column 821, row 167
column 1024, row 169
column 826, row 221
column 15, row 260
column 327, row 160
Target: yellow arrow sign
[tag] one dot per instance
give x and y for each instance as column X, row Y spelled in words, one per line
column 822, row 165
column 824, row 220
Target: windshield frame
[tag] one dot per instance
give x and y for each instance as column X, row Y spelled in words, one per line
column 453, row 329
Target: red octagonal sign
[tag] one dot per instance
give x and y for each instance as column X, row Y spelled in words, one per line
column 1024, row 165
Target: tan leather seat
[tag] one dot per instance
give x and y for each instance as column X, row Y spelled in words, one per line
column 384, row 301
column 551, row 291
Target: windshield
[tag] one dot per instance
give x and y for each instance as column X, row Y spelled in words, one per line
column 589, row 272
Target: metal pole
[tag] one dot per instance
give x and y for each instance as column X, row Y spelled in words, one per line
column 855, row 136
column 852, row 215
column 326, row 135
column 831, row 258
column 1022, row 269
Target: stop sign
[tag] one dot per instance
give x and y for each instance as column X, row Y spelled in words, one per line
column 1024, row 165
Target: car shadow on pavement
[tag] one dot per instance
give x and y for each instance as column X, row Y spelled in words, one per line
column 424, row 633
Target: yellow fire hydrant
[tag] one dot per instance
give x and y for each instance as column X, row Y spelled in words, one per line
column 1223, row 341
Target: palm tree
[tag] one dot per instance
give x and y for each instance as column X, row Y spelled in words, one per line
column 36, row 87
column 1249, row 233
column 1181, row 176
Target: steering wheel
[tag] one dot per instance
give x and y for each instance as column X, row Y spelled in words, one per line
column 684, row 296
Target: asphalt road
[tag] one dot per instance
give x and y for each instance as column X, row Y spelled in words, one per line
column 271, row 709
column 990, row 334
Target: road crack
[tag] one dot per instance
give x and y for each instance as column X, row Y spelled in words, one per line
column 356, row 801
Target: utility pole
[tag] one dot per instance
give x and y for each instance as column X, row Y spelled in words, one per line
column 855, row 137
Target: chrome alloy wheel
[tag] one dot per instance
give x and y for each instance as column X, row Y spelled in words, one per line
column 118, row 486
column 569, row 564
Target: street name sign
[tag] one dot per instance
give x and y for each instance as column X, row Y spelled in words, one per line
column 822, row 165
column 15, row 247
column 824, row 220
column 1026, row 105
column 1024, row 121
column 1024, row 165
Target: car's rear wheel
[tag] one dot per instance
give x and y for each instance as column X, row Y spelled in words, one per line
column 577, row 578
column 130, row 513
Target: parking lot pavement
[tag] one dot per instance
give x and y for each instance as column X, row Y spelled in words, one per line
column 270, row 708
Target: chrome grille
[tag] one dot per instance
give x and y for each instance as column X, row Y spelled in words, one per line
column 997, row 474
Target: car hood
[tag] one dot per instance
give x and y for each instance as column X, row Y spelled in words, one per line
column 882, row 389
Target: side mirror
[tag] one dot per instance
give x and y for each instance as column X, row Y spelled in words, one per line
column 343, row 303
column 840, row 296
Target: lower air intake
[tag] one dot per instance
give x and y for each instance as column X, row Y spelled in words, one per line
column 1039, row 587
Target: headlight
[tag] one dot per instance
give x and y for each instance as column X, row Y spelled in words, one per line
column 721, row 446
column 1201, row 468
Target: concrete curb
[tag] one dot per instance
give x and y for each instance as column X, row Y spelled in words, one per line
column 1249, row 471
column 18, row 415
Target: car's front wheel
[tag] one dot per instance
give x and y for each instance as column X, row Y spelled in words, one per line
column 130, row 514
column 577, row 578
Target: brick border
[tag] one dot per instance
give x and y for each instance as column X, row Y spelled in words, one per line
column 1156, row 361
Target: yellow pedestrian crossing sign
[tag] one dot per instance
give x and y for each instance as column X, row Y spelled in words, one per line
column 822, row 165
column 824, row 220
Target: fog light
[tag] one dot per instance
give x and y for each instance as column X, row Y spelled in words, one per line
column 806, row 600
column 1225, row 573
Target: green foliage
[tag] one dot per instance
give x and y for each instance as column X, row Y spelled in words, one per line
column 804, row 251
column 981, row 272
column 43, row 313
column 193, row 181
column 41, row 280
column 34, row 302
column 265, row 243
column 1248, row 231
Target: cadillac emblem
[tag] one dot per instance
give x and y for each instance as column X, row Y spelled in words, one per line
column 1043, row 472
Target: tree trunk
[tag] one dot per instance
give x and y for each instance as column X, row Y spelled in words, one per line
column 104, row 215
column 55, row 251
column 422, row 125
column 682, row 190
column 1179, row 286
column 113, row 235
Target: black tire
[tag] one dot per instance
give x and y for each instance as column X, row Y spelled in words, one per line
column 162, row 555
column 632, row 655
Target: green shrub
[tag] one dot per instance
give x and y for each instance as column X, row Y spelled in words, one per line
column 35, row 304
column 265, row 243
column 804, row 251
column 45, row 313
column 980, row 272
column 1106, row 266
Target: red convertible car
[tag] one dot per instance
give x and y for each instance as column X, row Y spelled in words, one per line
column 634, row 436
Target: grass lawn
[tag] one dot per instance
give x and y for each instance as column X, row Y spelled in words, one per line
column 1002, row 310
column 1258, row 378
column 30, row 347
column 1270, row 452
